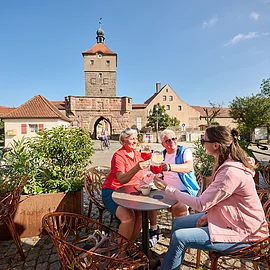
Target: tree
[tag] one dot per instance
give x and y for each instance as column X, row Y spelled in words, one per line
column 212, row 113
column 164, row 120
column 265, row 88
column 174, row 122
column 158, row 114
column 250, row 112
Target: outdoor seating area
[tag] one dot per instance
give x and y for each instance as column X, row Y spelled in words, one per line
column 91, row 241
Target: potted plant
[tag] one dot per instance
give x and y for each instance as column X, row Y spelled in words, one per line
column 55, row 161
column 203, row 162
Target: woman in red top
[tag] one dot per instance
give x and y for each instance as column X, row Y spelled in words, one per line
column 126, row 167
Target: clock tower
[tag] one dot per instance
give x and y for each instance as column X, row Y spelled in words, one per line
column 100, row 68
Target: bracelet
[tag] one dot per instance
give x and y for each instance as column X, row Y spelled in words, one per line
column 170, row 168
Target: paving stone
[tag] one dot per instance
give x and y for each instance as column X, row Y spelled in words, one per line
column 55, row 266
column 42, row 266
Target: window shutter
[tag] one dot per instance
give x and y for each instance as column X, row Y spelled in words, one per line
column 24, row 128
column 40, row 127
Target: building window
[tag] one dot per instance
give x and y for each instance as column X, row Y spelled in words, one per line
column 100, row 75
column 33, row 128
column 108, row 62
column 179, row 108
column 164, row 98
column 168, row 107
column 100, row 91
column 106, row 81
column 170, row 98
column 91, row 62
column 167, row 90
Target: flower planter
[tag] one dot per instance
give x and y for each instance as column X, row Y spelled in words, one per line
column 31, row 209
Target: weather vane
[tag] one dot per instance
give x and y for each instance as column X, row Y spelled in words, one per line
column 100, row 22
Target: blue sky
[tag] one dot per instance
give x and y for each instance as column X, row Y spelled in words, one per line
column 206, row 50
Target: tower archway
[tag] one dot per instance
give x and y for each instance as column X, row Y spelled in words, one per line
column 102, row 123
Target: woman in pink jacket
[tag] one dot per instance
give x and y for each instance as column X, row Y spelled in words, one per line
column 232, row 216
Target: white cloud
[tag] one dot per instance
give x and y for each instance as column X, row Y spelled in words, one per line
column 241, row 37
column 210, row 22
column 255, row 15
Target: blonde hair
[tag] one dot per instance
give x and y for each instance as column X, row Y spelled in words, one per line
column 126, row 133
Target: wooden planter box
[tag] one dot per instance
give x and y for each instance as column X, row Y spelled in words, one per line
column 31, row 209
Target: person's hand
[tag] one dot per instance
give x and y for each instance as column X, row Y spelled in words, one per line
column 165, row 166
column 144, row 164
column 202, row 221
column 159, row 183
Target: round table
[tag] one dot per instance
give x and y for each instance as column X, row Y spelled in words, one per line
column 129, row 197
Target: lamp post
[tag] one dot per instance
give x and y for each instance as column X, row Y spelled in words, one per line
column 157, row 115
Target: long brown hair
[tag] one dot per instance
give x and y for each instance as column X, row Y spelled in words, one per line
column 229, row 146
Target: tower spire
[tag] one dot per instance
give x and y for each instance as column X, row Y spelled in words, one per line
column 100, row 33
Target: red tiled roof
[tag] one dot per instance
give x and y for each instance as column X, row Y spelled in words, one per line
column 5, row 110
column 99, row 47
column 224, row 112
column 139, row 106
column 59, row 104
column 36, row 107
column 153, row 96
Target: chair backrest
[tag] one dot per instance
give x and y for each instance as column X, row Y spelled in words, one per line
column 83, row 243
column 94, row 179
column 264, row 196
column 10, row 192
column 201, row 180
column 266, row 174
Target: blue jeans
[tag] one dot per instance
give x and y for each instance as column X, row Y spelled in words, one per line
column 186, row 235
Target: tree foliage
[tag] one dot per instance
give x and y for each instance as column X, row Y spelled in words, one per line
column 212, row 113
column 265, row 88
column 163, row 120
column 250, row 112
column 174, row 122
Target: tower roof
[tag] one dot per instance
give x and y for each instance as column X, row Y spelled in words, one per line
column 99, row 48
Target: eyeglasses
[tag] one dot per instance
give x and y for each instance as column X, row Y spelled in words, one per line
column 170, row 140
column 204, row 141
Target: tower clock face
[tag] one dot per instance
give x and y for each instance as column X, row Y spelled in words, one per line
column 99, row 55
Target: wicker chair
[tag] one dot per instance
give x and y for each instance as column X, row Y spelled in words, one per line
column 259, row 252
column 83, row 243
column 93, row 181
column 10, row 192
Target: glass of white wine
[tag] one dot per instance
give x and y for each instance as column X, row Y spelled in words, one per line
column 157, row 158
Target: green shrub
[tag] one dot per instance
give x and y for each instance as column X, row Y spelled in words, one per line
column 54, row 160
column 202, row 161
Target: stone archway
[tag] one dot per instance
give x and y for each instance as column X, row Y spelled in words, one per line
column 101, row 123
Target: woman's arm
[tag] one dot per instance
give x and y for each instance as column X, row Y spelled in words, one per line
column 124, row 178
column 217, row 191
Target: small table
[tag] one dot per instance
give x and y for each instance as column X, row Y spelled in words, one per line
column 129, row 197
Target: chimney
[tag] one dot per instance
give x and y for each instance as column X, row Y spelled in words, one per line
column 158, row 87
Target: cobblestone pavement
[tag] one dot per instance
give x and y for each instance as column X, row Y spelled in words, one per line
column 41, row 253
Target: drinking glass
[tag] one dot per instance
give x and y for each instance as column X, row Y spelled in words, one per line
column 146, row 152
column 157, row 158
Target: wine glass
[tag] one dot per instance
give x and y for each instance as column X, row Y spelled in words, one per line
column 157, row 158
column 146, row 152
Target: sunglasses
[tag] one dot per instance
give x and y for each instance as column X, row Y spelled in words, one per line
column 170, row 140
column 204, row 141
